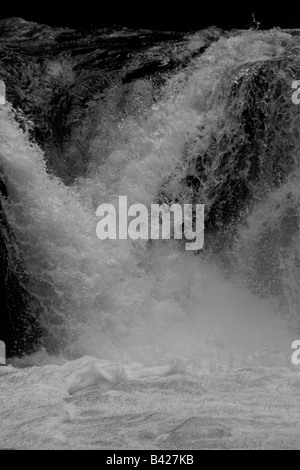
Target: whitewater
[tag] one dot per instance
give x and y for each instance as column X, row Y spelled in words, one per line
column 146, row 345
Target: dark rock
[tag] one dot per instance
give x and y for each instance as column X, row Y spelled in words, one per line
column 19, row 324
column 253, row 148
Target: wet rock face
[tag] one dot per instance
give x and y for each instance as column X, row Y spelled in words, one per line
column 253, row 148
column 258, row 140
column 19, row 325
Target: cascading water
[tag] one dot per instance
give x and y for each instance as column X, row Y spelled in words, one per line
column 129, row 299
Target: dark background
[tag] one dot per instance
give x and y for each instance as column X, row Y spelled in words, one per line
column 183, row 15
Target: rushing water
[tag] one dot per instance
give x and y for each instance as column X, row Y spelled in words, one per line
column 152, row 302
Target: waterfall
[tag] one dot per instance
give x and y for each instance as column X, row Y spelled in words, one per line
column 222, row 131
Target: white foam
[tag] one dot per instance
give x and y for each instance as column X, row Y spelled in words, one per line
column 90, row 375
column 2, row 354
column 2, row 92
